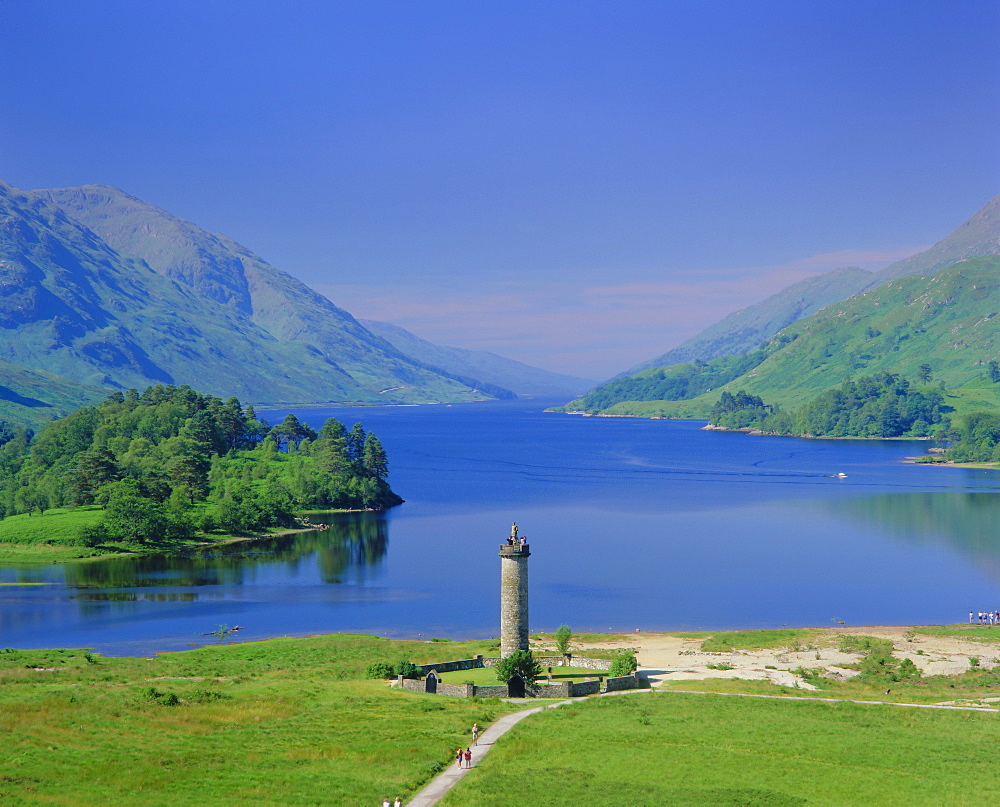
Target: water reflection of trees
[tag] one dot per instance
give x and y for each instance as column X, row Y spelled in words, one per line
column 966, row 521
column 350, row 547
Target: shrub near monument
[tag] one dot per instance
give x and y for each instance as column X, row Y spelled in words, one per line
column 170, row 464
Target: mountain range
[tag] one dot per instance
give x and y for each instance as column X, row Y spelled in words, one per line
column 101, row 291
column 523, row 379
column 936, row 311
column 750, row 327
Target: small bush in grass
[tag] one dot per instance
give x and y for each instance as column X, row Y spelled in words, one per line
column 153, row 695
column 379, row 669
column 623, row 664
column 407, row 669
column 973, row 662
column 722, row 665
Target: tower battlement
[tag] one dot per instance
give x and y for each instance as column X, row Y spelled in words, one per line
column 516, row 551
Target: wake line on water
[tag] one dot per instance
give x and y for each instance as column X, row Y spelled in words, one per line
column 563, row 474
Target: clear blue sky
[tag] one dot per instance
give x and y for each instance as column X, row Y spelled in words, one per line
column 579, row 185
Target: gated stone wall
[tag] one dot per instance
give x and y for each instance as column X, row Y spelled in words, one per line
column 540, row 689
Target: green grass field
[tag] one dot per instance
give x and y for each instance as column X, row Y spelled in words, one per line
column 293, row 721
column 975, row 633
column 677, row 749
column 275, row 722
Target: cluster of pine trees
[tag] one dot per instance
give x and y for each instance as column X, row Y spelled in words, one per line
column 170, row 462
column 879, row 405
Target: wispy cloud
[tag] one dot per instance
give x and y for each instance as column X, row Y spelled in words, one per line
column 592, row 331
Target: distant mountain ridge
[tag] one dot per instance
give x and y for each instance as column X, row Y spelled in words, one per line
column 523, row 379
column 750, row 327
column 78, row 298
column 946, row 325
column 224, row 271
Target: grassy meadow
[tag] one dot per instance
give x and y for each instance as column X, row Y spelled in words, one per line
column 295, row 721
column 285, row 721
column 673, row 748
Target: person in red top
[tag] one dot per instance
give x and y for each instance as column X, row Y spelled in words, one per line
column 468, row 757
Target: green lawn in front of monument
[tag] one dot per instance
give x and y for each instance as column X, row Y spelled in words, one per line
column 487, row 676
column 678, row 748
column 282, row 721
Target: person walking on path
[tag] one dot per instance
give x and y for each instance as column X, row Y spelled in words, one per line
column 468, row 757
column 475, row 733
column 460, row 755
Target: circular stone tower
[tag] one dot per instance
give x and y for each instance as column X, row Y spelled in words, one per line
column 513, row 594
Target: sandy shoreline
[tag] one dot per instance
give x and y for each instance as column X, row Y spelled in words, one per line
column 664, row 657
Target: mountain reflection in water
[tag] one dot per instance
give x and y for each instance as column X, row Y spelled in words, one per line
column 966, row 521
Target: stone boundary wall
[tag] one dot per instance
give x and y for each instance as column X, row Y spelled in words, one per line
column 453, row 666
column 457, row 690
column 569, row 660
column 632, row 681
column 499, row 691
column 584, row 688
column 562, row 689
column 556, row 689
column 589, row 663
column 412, row 684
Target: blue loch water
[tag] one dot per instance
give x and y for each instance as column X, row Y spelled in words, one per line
column 632, row 523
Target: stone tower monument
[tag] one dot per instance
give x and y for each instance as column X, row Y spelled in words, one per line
column 513, row 594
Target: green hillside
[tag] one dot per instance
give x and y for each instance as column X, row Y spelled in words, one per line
column 30, row 398
column 948, row 322
column 227, row 273
column 744, row 330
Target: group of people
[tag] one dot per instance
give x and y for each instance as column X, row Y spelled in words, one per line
column 464, row 757
column 985, row 617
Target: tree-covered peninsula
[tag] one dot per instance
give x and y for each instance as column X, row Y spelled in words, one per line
column 145, row 470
